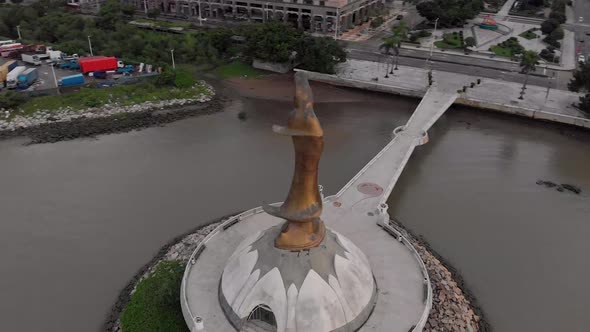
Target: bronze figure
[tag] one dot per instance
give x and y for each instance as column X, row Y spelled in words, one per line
column 302, row 209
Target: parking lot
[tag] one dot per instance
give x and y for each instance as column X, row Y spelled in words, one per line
column 46, row 80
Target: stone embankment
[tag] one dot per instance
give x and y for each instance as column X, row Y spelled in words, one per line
column 453, row 309
column 47, row 126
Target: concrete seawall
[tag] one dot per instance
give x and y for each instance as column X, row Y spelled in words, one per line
column 493, row 105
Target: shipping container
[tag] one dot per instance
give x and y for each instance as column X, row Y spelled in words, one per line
column 97, row 63
column 5, row 69
column 72, row 80
column 27, row 78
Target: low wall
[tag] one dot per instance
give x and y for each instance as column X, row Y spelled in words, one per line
column 281, row 68
column 466, row 101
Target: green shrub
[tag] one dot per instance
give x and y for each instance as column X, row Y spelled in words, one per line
column 377, row 22
column 549, row 25
column 183, row 79
column 166, row 78
column 11, row 100
column 155, row 305
column 557, row 34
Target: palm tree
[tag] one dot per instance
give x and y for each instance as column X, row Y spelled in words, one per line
column 528, row 63
column 388, row 44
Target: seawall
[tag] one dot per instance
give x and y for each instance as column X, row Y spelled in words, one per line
column 490, row 104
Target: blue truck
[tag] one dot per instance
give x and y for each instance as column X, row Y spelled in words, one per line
column 70, row 64
column 27, row 78
column 126, row 69
column 71, row 80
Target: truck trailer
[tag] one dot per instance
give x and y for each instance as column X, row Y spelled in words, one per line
column 5, row 69
column 27, row 78
column 33, row 59
column 97, row 63
column 71, row 80
column 12, row 77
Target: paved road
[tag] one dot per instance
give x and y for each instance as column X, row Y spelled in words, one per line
column 464, row 65
column 581, row 29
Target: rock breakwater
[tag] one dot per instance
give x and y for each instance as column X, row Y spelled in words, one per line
column 47, row 126
column 453, row 307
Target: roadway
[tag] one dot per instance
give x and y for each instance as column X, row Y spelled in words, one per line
column 488, row 68
column 581, row 8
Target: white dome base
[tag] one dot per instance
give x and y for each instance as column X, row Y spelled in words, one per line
column 327, row 288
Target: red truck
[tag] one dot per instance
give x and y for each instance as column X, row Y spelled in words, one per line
column 97, row 63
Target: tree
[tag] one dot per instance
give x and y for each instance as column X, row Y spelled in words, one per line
column 581, row 80
column 272, row 42
column 449, row 12
column 558, row 16
column 528, row 63
column 128, row 10
column 109, row 15
column 557, row 34
column 153, row 13
column 321, row 54
column 584, row 104
column 549, row 25
column 389, row 44
column 469, row 42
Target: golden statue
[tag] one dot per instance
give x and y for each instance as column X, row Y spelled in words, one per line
column 302, row 209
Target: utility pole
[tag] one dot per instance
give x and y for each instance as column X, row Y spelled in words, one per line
column 145, row 6
column 549, row 80
column 90, row 46
column 172, row 53
column 18, row 31
column 200, row 16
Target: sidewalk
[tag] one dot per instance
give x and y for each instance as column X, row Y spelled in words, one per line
column 539, row 102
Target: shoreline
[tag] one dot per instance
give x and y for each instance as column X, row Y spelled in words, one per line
column 458, row 308
column 463, row 100
column 45, row 126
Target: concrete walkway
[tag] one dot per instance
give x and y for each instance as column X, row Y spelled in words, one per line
column 384, row 170
column 503, row 12
column 502, row 96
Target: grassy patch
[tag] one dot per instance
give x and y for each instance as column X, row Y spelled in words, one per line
column 237, row 69
column 155, row 305
column 450, row 41
column 122, row 94
column 164, row 24
column 508, row 48
column 529, row 34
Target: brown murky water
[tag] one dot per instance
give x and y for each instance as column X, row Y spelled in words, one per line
column 78, row 218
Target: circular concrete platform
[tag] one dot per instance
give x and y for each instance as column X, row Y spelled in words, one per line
column 403, row 288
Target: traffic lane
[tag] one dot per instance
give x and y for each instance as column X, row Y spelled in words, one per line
column 463, row 69
column 373, row 45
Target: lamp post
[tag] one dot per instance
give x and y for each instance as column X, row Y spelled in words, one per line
column 172, row 54
column 265, row 17
column 337, row 21
column 200, row 15
column 18, row 31
column 433, row 34
column 90, row 46
column 55, row 78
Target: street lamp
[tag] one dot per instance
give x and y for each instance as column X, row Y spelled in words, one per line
column 172, row 53
column 90, row 46
column 55, row 79
column 18, row 31
column 433, row 34
column 200, row 17
column 337, row 21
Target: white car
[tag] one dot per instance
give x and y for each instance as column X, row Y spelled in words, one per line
column 581, row 58
column 581, row 19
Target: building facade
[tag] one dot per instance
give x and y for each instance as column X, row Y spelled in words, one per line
column 326, row 16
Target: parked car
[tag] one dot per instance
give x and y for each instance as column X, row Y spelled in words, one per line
column 581, row 59
column 100, row 74
column 581, row 19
